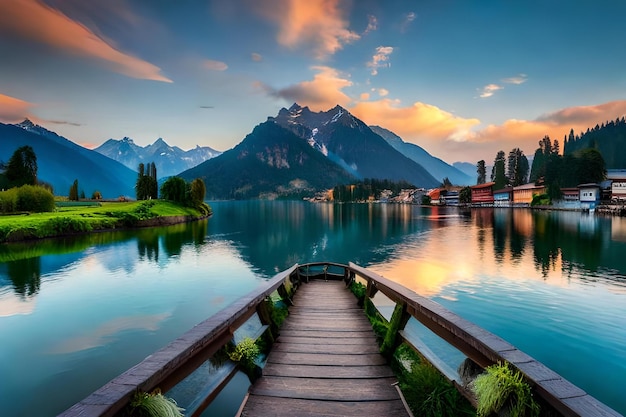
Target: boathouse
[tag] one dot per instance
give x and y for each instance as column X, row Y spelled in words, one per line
column 482, row 194
column 589, row 195
column 503, row 197
column 523, row 194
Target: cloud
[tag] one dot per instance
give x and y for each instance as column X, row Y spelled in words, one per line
column 421, row 122
column 214, row 65
column 525, row 134
column 207, row 107
column 364, row 96
column 408, row 19
column 256, row 57
column 380, row 59
column 488, row 90
column 320, row 24
column 33, row 20
column 63, row 122
column 383, row 92
column 321, row 93
column 372, row 24
column 517, row 80
column 13, row 109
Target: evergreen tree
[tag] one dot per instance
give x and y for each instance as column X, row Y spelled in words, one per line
column 198, row 191
column 22, row 167
column 498, row 174
column 517, row 167
column 482, row 172
column 73, row 195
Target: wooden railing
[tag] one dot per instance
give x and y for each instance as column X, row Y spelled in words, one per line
column 170, row 365
column 481, row 346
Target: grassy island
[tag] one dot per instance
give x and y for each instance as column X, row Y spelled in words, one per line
column 83, row 217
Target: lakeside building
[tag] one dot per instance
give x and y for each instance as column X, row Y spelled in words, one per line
column 618, row 183
column 589, row 195
column 482, row 194
column 523, row 194
column 503, row 197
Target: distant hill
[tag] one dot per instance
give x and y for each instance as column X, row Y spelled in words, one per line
column 468, row 169
column 169, row 160
column 350, row 143
column 435, row 166
column 608, row 138
column 271, row 162
column 61, row 161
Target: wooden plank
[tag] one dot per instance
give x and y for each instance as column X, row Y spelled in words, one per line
column 326, row 349
column 321, row 334
column 354, row 340
column 317, row 371
column 327, row 326
column 381, row 389
column 338, row 360
column 289, row 407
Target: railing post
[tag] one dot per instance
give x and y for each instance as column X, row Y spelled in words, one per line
column 371, row 290
column 284, row 294
column 264, row 311
column 398, row 321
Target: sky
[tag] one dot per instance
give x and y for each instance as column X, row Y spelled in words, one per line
column 461, row 78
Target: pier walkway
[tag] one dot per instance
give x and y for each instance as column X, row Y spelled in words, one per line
column 326, row 361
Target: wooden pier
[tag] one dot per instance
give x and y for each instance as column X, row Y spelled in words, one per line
column 325, row 362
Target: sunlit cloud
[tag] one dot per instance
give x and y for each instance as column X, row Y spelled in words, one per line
column 319, row 24
column 517, row 80
column 380, row 59
column 383, row 92
column 37, row 22
column 256, row 57
column 372, row 24
column 13, row 109
column 421, row 123
column 364, row 96
column 408, row 19
column 214, row 65
column 320, row 94
column 525, row 134
column 488, row 90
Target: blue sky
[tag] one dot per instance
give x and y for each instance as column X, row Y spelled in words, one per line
column 462, row 79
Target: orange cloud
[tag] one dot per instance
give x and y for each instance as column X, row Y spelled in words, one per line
column 319, row 94
column 418, row 122
column 318, row 23
column 13, row 109
column 214, row 65
column 525, row 134
column 33, row 20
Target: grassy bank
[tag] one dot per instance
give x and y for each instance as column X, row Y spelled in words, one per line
column 71, row 220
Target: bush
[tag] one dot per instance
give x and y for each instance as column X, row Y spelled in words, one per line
column 502, row 387
column 34, row 198
column 8, row 200
column 63, row 226
column 153, row 405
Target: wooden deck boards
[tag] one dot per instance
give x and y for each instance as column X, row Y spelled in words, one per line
column 325, row 362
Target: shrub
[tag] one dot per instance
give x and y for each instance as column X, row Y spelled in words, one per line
column 153, row 405
column 26, row 198
column 64, row 225
column 246, row 352
column 500, row 387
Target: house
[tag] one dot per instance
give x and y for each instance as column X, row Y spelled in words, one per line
column 618, row 183
column 570, row 194
column 434, row 195
column 503, row 197
column 482, row 194
column 449, row 198
column 523, row 194
column 589, row 195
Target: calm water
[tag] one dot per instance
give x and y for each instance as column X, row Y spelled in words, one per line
column 76, row 313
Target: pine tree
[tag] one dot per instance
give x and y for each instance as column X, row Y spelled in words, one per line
column 481, row 170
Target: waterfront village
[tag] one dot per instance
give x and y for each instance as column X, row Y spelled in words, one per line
column 608, row 196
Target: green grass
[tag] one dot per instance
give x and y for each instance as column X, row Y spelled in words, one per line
column 73, row 219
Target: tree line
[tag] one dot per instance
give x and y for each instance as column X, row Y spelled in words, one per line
column 369, row 187
column 549, row 167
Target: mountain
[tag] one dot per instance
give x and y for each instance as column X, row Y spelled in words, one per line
column 299, row 152
column 270, row 162
column 469, row 169
column 349, row 142
column 435, row 166
column 608, row 138
column 169, row 160
column 61, row 161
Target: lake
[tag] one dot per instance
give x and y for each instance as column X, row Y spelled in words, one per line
column 74, row 313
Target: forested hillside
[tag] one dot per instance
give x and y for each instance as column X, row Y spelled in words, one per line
column 609, row 138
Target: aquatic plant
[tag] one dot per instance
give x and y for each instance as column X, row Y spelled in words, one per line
column 502, row 387
column 245, row 352
column 153, row 404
